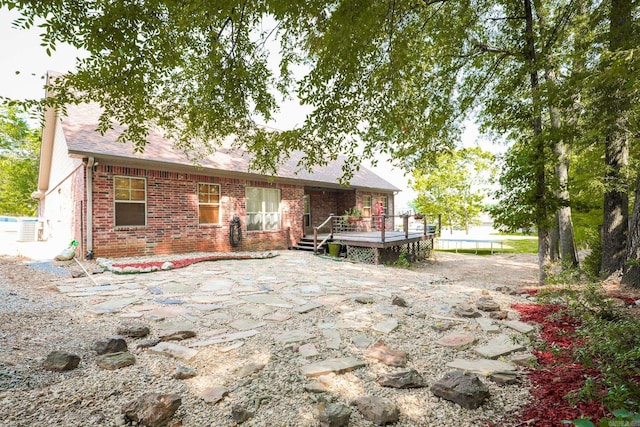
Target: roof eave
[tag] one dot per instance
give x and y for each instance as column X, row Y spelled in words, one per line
column 195, row 169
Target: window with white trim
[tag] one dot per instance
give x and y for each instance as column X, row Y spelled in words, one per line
column 366, row 205
column 263, row 209
column 208, row 203
column 130, row 201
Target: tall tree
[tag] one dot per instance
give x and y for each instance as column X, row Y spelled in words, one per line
column 455, row 186
column 19, row 148
column 615, row 123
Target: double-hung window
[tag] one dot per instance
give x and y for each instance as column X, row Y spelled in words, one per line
column 208, row 203
column 366, row 205
column 130, row 201
column 263, row 209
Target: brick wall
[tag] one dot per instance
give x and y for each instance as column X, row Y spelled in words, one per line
column 172, row 215
column 375, row 196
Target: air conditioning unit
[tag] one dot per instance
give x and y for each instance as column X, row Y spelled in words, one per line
column 27, row 229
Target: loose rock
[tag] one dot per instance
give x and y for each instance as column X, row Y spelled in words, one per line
column 404, row 379
column 147, row 343
column 176, row 335
column 214, row 394
column 464, row 310
column 399, row 301
column 383, row 353
column 333, row 415
column 378, row 410
column 463, row 388
column 112, row 361
column 61, row 361
column 240, row 414
column 114, row 344
column 183, row 373
column 487, row 304
column 364, row 299
column 498, row 315
column 249, row 369
column 133, row 329
column 152, row 409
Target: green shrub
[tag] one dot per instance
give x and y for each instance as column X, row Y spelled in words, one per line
column 592, row 262
column 609, row 334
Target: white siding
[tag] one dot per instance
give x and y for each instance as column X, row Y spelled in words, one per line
column 61, row 164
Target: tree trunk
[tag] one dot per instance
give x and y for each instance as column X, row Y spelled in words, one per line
column 616, row 198
column 568, row 252
column 544, row 256
column 631, row 269
column 554, row 240
column 562, row 229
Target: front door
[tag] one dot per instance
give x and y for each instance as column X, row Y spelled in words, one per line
column 306, row 220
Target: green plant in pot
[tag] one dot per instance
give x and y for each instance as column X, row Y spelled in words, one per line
column 352, row 215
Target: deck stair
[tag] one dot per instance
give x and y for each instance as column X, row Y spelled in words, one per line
column 306, row 244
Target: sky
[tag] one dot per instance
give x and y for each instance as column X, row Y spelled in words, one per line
column 24, row 63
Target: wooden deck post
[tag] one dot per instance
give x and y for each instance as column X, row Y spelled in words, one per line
column 331, row 226
column 384, row 225
column 315, row 240
column 405, row 225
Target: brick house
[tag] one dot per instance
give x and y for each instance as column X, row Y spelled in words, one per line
column 118, row 203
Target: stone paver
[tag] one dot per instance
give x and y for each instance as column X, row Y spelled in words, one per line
column 246, row 324
column 332, row 337
column 484, row 367
column 174, row 350
column 226, row 338
column 385, row 326
column 308, row 350
column 499, row 346
column 338, row 365
column 488, row 325
column 307, row 307
column 519, row 326
column 293, row 336
column 270, row 300
column 456, row 340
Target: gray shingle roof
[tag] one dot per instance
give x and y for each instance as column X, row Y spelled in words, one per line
column 79, row 127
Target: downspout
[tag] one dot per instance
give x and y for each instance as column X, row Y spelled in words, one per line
column 90, row 163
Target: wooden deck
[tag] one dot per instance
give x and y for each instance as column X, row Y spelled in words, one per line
column 373, row 239
column 375, row 248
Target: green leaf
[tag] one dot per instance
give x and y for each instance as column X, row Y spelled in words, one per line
column 583, row 422
column 622, row 413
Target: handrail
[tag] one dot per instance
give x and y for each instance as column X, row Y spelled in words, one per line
column 315, row 234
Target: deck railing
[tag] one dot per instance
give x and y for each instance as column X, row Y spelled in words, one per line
column 315, row 233
column 350, row 224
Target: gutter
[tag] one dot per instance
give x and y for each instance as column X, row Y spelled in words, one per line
column 46, row 153
column 90, row 164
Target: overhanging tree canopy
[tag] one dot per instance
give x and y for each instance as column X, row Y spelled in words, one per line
column 383, row 76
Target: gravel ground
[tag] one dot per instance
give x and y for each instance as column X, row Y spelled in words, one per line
column 36, row 318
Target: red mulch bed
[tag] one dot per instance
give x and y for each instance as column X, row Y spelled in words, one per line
column 182, row 262
column 558, row 374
